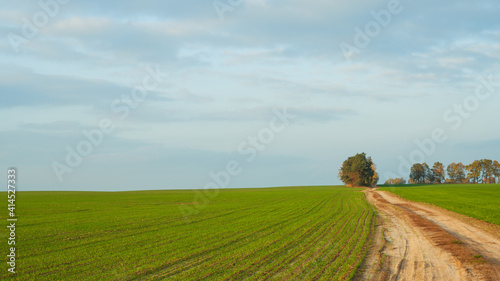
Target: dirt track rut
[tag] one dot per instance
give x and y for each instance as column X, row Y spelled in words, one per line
column 419, row 242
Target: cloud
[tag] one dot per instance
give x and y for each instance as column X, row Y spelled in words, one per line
column 32, row 89
column 58, row 126
column 188, row 96
column 320, row 114
column 225, row 79
column 162, row 114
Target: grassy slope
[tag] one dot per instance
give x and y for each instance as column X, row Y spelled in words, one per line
column 298, row 232
column 480, row 201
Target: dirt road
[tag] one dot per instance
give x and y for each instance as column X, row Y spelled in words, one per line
column 420, row 242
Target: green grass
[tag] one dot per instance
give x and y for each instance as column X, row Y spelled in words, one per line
column 480, row 201
column 296, row 233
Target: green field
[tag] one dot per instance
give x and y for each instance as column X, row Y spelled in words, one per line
column 295, row 233
column 480, row 201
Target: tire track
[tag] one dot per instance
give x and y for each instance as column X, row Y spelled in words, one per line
column 418, row 249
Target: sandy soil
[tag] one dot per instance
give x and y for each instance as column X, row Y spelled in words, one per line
column 414, row 241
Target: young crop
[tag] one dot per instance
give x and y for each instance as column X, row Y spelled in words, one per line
column 299, row 233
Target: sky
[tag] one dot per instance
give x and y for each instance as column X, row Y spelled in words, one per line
column 140, row 95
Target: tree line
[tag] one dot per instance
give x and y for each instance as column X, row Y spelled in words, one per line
column 479, row 171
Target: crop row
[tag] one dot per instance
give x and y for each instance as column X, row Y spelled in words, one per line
column 309, row 233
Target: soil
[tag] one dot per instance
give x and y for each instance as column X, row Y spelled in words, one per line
column 416, row 241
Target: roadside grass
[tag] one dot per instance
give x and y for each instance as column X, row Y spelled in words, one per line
column 480, row 201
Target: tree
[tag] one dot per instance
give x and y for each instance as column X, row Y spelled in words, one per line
column 438, row 171
column 358, row 170
column 496, row 170
column 456, row 172
column 487, row 171
column 395, row 181
column 375, row 175
column 449, row 181
column 429, row 175
column 417, row 173
column 474, row 171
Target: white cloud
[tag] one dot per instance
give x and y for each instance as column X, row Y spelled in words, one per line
column 80, row 26
column 226, row 76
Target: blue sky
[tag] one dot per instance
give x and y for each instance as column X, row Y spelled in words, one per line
column 220, row 73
